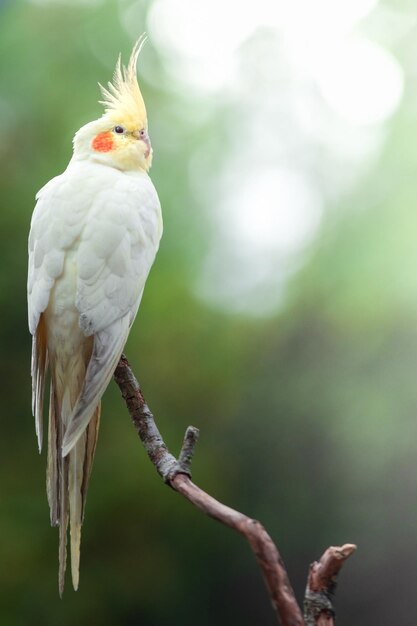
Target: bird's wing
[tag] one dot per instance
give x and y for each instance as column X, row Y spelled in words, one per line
column 46, row 248
column 51, row 233
column 117, row 248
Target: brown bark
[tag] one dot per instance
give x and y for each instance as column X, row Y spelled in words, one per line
column 321, row 584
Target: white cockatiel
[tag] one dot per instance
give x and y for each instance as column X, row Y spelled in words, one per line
column 94, row 235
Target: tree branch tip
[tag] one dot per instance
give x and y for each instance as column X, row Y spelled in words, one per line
column 346, row 550
column 323, row 574
column 192, row 431
column 336, row 553
column 183, row 465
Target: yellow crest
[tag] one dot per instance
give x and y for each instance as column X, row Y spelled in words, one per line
column 122, row 99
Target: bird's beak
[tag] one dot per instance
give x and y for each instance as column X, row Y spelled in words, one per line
column 145, row 138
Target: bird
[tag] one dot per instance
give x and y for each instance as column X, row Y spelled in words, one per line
column 94, row 235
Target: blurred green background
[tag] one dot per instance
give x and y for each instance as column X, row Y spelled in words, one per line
column 280, row 316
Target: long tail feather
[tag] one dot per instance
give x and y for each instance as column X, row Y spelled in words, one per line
column 53, row 464
column 63, row 525
column 90, row 449
column 68, row 477
column 80, row 465
column 76, row 463
column 39, row 370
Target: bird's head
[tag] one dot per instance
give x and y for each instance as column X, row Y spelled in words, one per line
column 120, row 137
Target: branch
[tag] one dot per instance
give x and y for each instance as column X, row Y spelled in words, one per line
column 177, row 474
column 321, row 585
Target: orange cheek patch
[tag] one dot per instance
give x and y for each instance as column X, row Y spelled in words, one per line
column 103, row 142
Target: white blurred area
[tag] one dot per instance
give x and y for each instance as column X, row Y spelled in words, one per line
column 309, row 93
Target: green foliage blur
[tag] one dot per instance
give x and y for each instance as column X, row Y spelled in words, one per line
column 308, row 415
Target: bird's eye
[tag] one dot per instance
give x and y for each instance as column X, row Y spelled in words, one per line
column 119, row 130
column 142, row 132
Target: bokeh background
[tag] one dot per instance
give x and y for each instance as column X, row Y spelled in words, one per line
column 280, row 316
